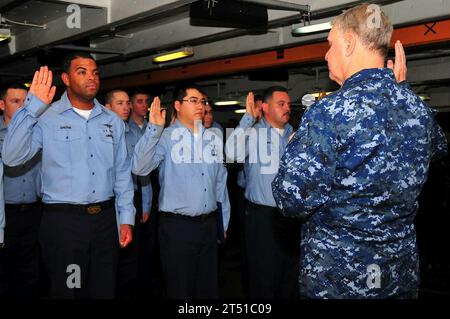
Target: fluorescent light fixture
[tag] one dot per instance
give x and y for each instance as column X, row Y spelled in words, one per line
column 5, row 34
column 173, row 55
column 225, row 103
column 319, row 94
column 312, row 28
column 240, row 111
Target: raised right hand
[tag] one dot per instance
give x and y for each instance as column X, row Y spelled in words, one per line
column 157, row 116
column 251, row 108
column 41, row 87
column 399, row 66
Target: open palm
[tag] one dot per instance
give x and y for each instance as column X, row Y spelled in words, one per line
column 41, row 87
column 157, row 116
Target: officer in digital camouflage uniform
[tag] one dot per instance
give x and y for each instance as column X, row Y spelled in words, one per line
column 355, row 167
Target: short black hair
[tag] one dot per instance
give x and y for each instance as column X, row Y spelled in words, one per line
column 139, row 91
column 259, row 97
column 72, row 56
column 268, row 93
column 15, row 85
column 180, row 91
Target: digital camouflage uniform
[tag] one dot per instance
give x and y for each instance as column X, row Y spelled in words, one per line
column 353, row 171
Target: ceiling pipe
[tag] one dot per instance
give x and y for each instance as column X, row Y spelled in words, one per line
column 87, row 49
column 281, row 5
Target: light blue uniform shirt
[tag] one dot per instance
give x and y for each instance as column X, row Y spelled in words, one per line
column 83, row 161
column 23, row 182
column 217, row 126
column 261, row 155
column 187, row 188
column 132, row 135
column 241, row 179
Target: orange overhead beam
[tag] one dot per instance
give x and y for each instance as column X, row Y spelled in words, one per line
column 417, row 35
column 299, row 54
column 422, row 34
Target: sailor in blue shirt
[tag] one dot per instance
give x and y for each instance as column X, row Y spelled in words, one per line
column 85, row 174
column 143, row 183
column 354, row 169
column 208, row 119
column 137, row 125
column 118, row 101
column 22, row 209
column 129, row 267
column 149, row 260
column 270, row 239
column 193, row 181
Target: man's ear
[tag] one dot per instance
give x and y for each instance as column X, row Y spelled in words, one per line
column 177, row 106
column 265, row 107
column 108, row 106
column 65, row 78
column 2, row 105
column 349, row 43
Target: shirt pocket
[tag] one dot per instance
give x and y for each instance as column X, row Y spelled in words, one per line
column 66, row 134
column 107, row 143
column 66, row 144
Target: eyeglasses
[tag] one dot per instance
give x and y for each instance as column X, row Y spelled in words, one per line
column 196, row 100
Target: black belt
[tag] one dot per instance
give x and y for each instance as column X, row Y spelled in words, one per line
column 198, row 218
column 22, row 207
column 91, row 209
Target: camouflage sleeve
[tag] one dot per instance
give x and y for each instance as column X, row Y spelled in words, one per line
column 438, row 139
column 306, row 172
column 438, row 142
column 404, row 84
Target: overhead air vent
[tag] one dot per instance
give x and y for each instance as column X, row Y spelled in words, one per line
column 228, row 14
